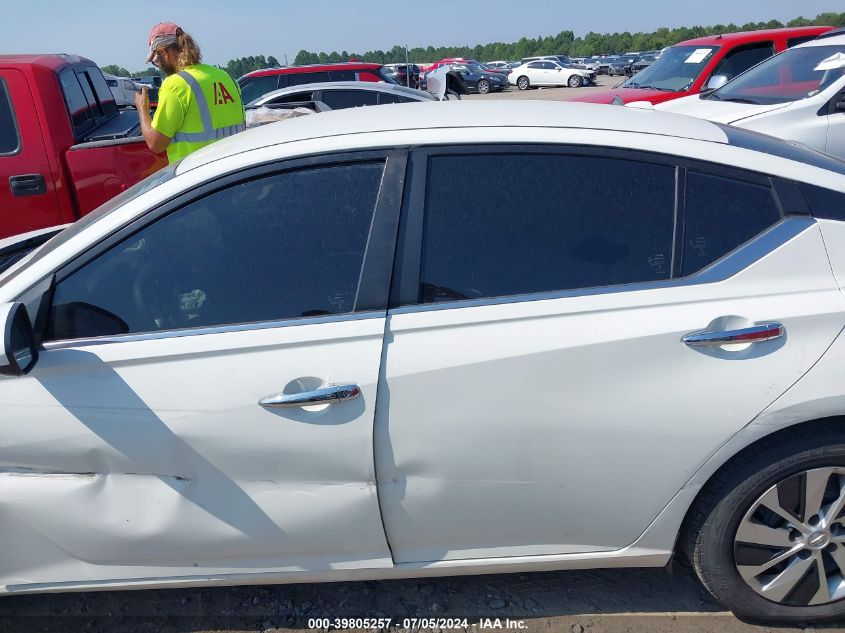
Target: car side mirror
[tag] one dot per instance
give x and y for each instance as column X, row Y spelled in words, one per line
column 716, row 82
column 19, row 352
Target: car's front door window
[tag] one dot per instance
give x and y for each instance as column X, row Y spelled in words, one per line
column 283, row 246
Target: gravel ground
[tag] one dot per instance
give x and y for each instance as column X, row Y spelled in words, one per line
column 598, row 601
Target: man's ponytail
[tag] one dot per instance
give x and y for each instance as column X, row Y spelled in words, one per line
column 188, row 51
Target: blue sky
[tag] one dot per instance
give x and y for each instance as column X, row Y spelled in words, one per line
column 115, row 32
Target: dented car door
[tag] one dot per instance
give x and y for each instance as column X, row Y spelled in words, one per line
column 204, row 402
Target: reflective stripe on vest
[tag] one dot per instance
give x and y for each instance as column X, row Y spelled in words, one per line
column 209, row 133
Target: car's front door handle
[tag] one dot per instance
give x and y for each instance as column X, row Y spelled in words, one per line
column 755, row 334
column 327, row 395
column 27, row 185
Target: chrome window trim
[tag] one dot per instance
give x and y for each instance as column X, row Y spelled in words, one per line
column 215, row 329
column 722, row 269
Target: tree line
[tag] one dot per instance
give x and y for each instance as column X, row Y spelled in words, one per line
column 235, row 67
column 564, row 43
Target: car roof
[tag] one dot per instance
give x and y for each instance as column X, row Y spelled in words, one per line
column 310, row 68
column 827, row 40
column 371, row 86
column 53, row 61
column 755, row 36
column 458, row 115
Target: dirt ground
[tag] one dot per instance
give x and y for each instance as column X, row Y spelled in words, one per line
column 599, row 601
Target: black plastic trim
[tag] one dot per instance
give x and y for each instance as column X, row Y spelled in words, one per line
column 377, row 269
column 789, row 197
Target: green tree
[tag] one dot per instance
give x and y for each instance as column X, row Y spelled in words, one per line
column 115, row 70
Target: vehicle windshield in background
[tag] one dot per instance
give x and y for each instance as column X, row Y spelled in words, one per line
column 674, row 70
column 795, row 74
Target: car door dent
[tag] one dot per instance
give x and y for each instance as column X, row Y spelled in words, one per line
column 100, row 433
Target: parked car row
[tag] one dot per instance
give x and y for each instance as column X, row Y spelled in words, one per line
column 797, row 95
column 706, row 62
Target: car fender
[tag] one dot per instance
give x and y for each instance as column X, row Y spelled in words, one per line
column 816, row 396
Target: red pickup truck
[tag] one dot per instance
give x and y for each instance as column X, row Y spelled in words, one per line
column 704, row 63
column 65, row 148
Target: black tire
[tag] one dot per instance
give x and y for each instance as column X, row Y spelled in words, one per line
column 483, row 86
column 575, row 81
column 719, row 510
column 523, row 83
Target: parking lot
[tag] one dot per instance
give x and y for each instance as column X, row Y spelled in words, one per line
column 603, row 82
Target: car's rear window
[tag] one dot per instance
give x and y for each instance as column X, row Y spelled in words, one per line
column 9, row 139
column 87, row 97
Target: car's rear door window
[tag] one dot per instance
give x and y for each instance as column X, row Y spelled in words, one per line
column 82, row 119
column 341, row 99
column 720, row 215
column 511, row 224
column 9, row 139
column 283, row 246
column 299, row 79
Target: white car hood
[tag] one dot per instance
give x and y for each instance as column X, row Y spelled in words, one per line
column 726, row 112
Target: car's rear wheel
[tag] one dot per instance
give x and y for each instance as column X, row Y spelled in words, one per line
column 575, row 81
column 522, row 83
column 767, row 535
column 483, row 86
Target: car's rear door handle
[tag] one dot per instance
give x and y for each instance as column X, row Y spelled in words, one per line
column 755, row 334
column 27, row 185
column 327, row 395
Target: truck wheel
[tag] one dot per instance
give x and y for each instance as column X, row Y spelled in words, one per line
column 767, row 534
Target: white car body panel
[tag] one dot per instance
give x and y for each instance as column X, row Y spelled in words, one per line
column 124, row 92
column 244, row 495
column 164, row 436
column 467, row 383
column 559, row 76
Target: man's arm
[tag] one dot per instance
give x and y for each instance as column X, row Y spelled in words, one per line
column 156, row 141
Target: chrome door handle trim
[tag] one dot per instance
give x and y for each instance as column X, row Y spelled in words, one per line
column 327, row 395
column 756, row 334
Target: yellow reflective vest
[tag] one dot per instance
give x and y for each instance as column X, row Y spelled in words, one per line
column 197, row 107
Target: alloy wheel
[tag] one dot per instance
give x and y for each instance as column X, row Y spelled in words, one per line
column 522, row 83
column 483, row 87
column 790, row 545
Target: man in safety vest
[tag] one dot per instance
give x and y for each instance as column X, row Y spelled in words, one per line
column 197, row 104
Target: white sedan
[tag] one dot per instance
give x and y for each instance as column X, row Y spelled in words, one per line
column 545, row 72
column 322, row 350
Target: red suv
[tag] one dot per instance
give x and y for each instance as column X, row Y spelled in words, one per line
column 260, row 82
column 692, row 66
